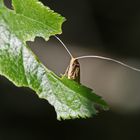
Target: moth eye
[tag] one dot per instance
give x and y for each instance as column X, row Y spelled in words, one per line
column 73, row 64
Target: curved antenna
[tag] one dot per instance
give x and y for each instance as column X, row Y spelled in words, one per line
column 64, row 46
column 108, row 59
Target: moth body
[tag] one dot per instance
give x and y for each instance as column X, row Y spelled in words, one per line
column 73, row 70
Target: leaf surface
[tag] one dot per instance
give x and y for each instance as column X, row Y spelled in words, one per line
column 29, row 19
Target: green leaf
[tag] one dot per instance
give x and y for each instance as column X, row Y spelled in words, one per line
column 29, row 19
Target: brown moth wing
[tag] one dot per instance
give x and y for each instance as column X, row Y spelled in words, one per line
column 73, row 70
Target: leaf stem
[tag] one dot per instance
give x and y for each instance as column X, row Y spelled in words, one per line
column 108, row 59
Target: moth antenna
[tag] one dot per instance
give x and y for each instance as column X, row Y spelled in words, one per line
column 64, row 46
column 108, row 59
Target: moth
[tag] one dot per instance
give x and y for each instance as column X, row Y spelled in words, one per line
column 73, row 70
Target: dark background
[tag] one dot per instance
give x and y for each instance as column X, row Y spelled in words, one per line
column 111, row 28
